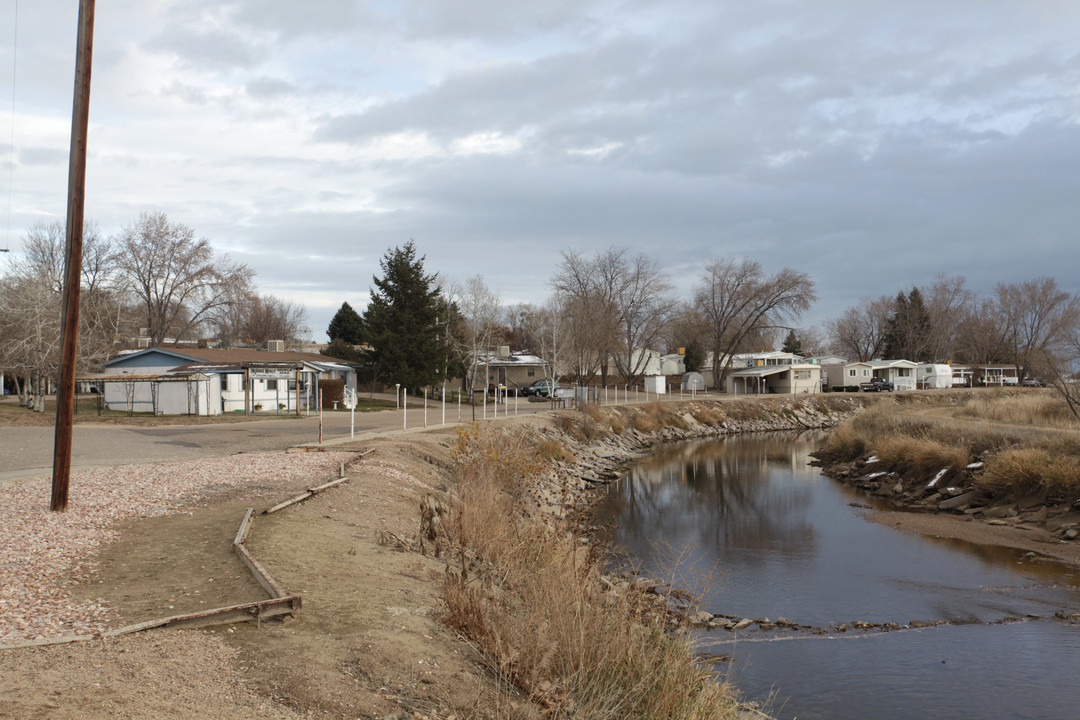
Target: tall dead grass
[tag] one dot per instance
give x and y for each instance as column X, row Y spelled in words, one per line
column 1052, row 466
column 1024, row 440
column 531, row 596
column 1038, row 408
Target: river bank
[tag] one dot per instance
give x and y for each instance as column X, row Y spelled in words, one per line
column 938, row 471
column 372, row 639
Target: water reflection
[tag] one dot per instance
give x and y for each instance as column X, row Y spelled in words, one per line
column 792, row 545
column 704, row 495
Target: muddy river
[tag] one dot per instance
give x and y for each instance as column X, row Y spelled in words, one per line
column 774, row 538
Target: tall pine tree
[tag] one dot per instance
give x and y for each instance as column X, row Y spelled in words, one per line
column 346, row 326
column 907, row 333
column 406, row 322
column 792, row 344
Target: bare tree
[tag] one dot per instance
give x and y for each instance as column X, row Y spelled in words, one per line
column 618, row 306
column 737, row 299
column 478, row 311
column 643, row 303
column 30, row 331
column 982, row 334
column 812, row 339
column 859, row 333
column 1037, row 316
column 587, row 289
column 266, row 317
column 548, row 326
column 947, row 302
column 1062, row 370
column 176, row 278
column 30, row 298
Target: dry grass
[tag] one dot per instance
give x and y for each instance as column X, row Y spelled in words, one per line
column 1025, row 439
column 1051, row 466
column 1038, row 408
column 532, row 598
column 907, row 454
column 708, row 414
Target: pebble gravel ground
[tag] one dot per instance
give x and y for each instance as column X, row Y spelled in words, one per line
column 44, row 553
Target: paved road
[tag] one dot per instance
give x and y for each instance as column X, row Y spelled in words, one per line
column 28, row 451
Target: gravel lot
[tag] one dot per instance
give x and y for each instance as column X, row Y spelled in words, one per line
column 44, row 555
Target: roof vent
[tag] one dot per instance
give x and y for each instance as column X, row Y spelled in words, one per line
column 275, row 345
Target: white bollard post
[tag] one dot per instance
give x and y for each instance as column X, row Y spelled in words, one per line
column 444, row 403
column 425, row 407
column 404, row 409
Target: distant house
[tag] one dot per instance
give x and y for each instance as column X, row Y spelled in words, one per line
column 935, row 375
column 846, row 373
column 673, row 364
column 990, row 375
column 201, row 381
column 827, row 360
column 763, row 359
column 901, row 373
column 513, row 371
column 780, row 379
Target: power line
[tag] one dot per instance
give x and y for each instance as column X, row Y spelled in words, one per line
column 11, row 147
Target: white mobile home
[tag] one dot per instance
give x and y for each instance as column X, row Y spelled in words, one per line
column 800, row 379
column 901, row 373
column 846, row 373
column 199, row 381
column 935, row 375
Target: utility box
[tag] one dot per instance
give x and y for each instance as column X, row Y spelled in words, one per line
column 656, row 384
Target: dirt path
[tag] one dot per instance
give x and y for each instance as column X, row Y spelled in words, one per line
column 367, row 643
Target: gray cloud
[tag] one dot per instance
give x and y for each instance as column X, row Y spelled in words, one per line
column 308, row 139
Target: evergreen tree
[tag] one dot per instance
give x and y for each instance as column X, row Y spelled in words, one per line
column 792, row 344
column 346, row 326
column 907, row 333
column 342, row 350
column 693, row 355
column 406, row 322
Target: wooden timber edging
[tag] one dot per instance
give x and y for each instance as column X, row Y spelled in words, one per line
column 280, row 602
column 312, row 492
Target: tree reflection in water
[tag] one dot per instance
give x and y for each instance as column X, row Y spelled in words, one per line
column 718, row 494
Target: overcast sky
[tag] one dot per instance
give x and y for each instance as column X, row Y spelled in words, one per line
column 870, row 144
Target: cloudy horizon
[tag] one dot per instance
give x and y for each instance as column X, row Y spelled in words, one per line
column 871, row 145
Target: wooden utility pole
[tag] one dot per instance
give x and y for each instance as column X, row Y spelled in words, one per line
column 69, row 324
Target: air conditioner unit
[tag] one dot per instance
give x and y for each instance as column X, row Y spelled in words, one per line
column 143, row 342
column 275, row 345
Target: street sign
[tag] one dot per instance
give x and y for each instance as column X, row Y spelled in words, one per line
column 271, row 373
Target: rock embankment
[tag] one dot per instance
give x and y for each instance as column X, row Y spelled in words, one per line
column 958, row 492
column 599, row 443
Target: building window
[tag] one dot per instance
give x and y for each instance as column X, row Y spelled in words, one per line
column 904, row 372
column 851, row 372
column 271, row 385
column 532, row 372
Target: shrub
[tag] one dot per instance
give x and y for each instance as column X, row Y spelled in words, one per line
column 532, row 599
column 905, row 454
column 1019, row 471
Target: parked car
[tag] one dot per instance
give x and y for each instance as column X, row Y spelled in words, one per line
column 877, row 385
column 1032, row 382
column 542, row 388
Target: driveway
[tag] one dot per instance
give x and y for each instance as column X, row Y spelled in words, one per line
column 28, row 451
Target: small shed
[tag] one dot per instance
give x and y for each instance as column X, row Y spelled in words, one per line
column 693, row 382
